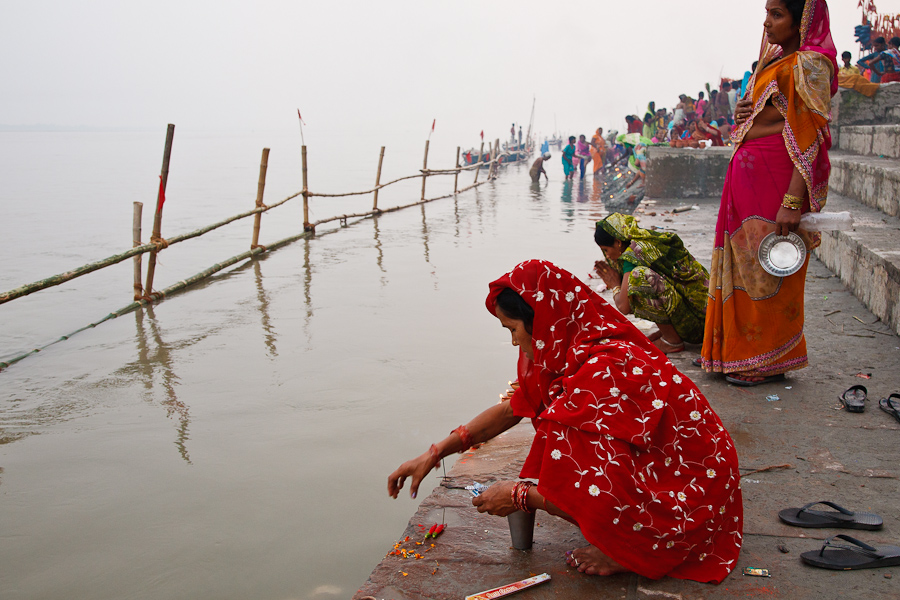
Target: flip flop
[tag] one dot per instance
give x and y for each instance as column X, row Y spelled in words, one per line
column 851, row 557
column 740, row 382
column 697, row 362
column 891, row 405
column 842, row 519
column 854, row 399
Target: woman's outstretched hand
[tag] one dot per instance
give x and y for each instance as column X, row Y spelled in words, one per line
column 496, row 500
column 416, row 468
column 742, row 110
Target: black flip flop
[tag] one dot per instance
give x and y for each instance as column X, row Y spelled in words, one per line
column 842, row 519
column 891, row 405
column 764, row 380
column 852, row 556
column 697, row 362
column 854, row 399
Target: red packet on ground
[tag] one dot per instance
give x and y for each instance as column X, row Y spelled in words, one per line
column 512, row 588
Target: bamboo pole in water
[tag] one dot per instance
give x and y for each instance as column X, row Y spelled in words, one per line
column 157, row 219
column 425, row 168
column 260, row 190
column 456, row 176
column 480, row 157
column 378, row 179
column 305, row 192
column 136, row 237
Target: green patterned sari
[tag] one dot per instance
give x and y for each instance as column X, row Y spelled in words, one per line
column 667, row 285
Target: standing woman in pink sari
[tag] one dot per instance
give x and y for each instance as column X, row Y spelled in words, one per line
column 779, row 170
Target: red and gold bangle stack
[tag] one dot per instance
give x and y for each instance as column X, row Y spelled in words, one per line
column 467, row 440
column 519, row 495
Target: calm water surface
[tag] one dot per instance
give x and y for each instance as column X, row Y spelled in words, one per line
column 234, row 441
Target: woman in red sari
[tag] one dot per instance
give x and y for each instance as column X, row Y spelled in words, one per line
column 779, row 170
column 626, row 447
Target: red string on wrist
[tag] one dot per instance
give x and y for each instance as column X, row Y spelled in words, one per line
column 467, row 440
column 435, row 455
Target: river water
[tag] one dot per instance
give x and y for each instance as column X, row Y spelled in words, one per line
column 234, row 441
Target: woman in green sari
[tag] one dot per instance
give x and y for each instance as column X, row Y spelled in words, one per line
column 654, row 277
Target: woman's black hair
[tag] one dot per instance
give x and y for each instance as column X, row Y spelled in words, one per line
column 795, row 7
column 603, row 237
column 515, row 307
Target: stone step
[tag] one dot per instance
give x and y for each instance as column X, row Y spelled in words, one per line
column 871, row 180
column 867, row 259
column 871, row 140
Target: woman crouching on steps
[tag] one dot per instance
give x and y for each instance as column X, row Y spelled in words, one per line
column 626, row 447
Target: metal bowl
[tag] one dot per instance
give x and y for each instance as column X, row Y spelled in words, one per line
column 782, row 255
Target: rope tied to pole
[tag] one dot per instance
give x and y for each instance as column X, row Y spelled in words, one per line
column 159, row 242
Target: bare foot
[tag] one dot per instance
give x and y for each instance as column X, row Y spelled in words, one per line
column 591, row 561
column 655, row 335
column 668, row 347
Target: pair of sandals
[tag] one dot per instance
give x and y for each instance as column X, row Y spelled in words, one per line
column 842, row 552
column 854, row 400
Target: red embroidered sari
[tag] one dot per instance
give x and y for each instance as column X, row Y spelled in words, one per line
column 625, row 444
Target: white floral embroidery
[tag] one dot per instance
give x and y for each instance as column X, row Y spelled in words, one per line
column 702, row 556
column 577, row 484
column 710, row 473
column 657, row 404
column 556, row 454
column 614, row 391
column 695, row 415
column 593, row 361
column 677, row 473
column 721, row 510
column 553, row 328
column 663, row 384
column 637, row 527
column 637, row 371
column 570, row 296
column 539, row 296
column 682, row 496
column 577, row 390
column 616, row 521
column 669, row 544
column 676, row 378
column 594, row 490
column 668, row 461
column 577, row 288
column 539, row 344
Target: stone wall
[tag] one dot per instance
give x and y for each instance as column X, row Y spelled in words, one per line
column 686, row 173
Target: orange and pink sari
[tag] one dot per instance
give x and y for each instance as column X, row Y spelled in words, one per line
column 754, row 320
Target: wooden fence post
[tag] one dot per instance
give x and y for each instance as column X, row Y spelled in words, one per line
column 456, row 175
column 157, row 219
column 260, row 190
column 480, row 157
column 496, row 157
column 136, row 237
column 306, row 225
column 425, row 166
column 378, row 179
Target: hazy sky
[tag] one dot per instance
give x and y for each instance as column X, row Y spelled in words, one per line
column 471, row 65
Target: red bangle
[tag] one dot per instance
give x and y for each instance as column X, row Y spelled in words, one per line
column 467, row 440
column 436, row 455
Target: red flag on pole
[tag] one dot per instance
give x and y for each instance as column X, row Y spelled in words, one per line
column 161, row 199
column 300, row 117
column 432, row 124
column 482, row 135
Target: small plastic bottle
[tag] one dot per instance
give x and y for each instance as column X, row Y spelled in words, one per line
column 826, row 221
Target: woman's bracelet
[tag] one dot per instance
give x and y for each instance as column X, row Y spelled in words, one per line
column 792, row 202
column 519, row 495
column 616, row 291
column 467, row 440
column 435, row 455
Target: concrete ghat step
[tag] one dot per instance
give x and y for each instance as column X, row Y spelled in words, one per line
column 867, row 259
column 871, row 140
column 873, row 181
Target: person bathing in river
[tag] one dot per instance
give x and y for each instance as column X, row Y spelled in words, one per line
column 582, row 153
column 627, row 448
column 653, row 277
column 568, row 159
column 537, row 169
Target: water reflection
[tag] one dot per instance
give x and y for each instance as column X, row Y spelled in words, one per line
column 269, row 337
column 151, row 356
